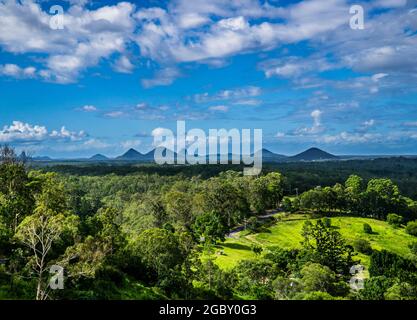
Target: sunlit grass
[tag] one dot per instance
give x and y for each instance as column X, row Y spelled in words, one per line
column 287, row 234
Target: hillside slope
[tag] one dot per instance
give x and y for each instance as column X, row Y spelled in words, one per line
column 287, row 234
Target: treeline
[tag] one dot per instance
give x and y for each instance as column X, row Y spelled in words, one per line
column 375, row 199
column 300, row 176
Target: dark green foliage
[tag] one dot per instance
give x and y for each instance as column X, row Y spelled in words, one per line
column 281, row 257
column 327, row 222
column 362, row 246
column 375, row 288
column 256, row 249
column 413, row 247
column 385, row 263
column 326, row 246
column 255, row 277
column 411, row 228
column 394, row 219
column 210, row 226
column 367, row 228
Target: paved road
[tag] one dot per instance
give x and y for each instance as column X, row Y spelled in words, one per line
column 241, row 228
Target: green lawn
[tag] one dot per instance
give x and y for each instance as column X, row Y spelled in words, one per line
column 287, row 234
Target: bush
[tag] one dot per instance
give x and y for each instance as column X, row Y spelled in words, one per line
column 362, row 246
column 252, row 224
column 367, row 228
column 411, row 228
column 286, row 204
column 327, row 222
column 413, row 247
column 256, row 249
column 315, row 295
column 394, row 219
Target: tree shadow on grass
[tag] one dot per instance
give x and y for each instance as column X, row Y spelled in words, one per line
column 263, row 229
column 236, row 246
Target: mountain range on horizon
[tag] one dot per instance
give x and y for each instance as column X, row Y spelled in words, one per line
column 132, row 155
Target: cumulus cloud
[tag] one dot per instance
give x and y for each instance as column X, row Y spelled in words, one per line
column 19, row 131
column 15, row 71
column 67, row 135
column 88, row 36
column 317, row 126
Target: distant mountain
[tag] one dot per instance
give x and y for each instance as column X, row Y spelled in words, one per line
column 133, row 155
column 130, row 155
column 42, row 158
column 313, row 154
column 99, row 157
column 269, row 156
column 23, row 156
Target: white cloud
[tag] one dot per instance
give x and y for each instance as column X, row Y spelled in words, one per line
column 123, row 65
column 350, row 138
column 248, row 102
column 20, row 131
column 163, row 77
column 88, row 35
column 114, row 114
column 368, row 123
column 220, row 108
column 24, row 132
column 131, row 144
column 162, row 39
column 89, row 108
column 229, row 94
column 294, row 66
column 14, row 71
column 67, row 135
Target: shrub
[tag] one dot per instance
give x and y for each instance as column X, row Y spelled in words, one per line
column 315, row 295
column 256, row 249
column 413, row 247
column 327, row 222
column 362, row 246
column 367, row 228
column 286, row 204
column 412, row 228
column 394, row 219
column 252, row 224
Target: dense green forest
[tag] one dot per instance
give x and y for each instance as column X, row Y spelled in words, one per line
column 154, row 232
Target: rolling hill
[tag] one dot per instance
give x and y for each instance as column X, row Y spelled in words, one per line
column 287, row 234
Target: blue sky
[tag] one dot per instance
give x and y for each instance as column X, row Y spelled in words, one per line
column 117, row 71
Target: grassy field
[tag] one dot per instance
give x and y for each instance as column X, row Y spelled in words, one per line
column 287, row 234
